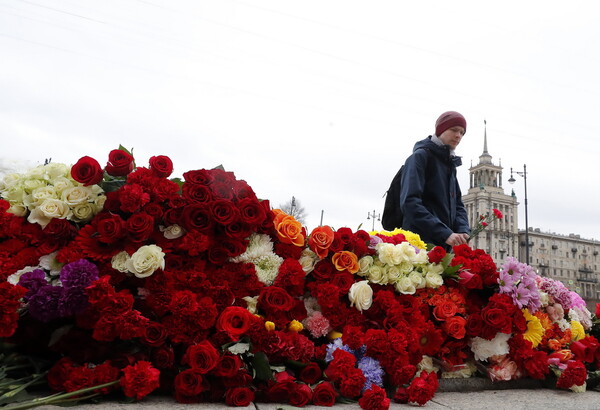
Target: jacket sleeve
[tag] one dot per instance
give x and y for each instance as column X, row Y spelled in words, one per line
column 416, row 216
column 462, row 219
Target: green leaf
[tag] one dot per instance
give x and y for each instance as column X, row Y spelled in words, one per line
column 260, row 362
column 122, row 148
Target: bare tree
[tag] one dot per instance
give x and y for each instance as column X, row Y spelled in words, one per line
column 294, row 208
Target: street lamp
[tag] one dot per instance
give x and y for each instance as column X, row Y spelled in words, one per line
column 369, row 215
column 512, row 181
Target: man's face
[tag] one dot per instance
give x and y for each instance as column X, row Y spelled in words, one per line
column 452, row 136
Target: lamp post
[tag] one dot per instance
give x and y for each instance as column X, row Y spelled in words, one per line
column 512, row 181
column 369, row 215
column 293, row 204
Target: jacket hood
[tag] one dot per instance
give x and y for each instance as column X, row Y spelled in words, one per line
column 441, row 151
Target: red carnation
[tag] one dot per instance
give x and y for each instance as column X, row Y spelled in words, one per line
column 140, row 379
column 87, row 171
column 574, row 375
column 436, row 254
column 422, row 388
column 374, row 399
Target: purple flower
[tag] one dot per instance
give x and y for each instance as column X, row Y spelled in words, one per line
column 72, row 301
column 78, row 274
column 44, row 305
column 33, row 281
column 372, row 370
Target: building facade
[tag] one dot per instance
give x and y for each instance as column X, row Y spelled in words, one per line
column 573, row 260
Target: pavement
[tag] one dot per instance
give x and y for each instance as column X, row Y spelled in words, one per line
column 514, row 399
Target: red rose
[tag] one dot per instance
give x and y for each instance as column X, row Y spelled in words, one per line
column 597, row 309
column 436, row 254
column 199, row 176
column 228, row 366
column 197, row 216
column 197, row 193
column 140, row 226
column 455, row 327
column 239, row 396
column 444, row 310
column 585, row 349
column 202, row 357
column 235, row 321
column 474, row 325
column 140, row 379
column 111, row 227
column 87, row 171
column 311, row 373
column 120, row 163
column 274, row 298
column 251, row 211
column 161, row 165
column 224, row 212
column 163, row 357
column 324, row 395
column 301, row 395
column 498, row 319
column 374, row 399
column 470, row 280
column 155, row 334
column 189, row 382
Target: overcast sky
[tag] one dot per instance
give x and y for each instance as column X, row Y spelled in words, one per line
column 317, row 99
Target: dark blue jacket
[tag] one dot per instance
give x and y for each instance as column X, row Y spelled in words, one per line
column 430, row 197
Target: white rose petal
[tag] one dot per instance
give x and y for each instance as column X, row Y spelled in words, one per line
column 361, row 295
column 76, row 195
column 173, row 231
column 119, row 261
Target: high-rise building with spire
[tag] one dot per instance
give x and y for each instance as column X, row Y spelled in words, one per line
column 501, row 238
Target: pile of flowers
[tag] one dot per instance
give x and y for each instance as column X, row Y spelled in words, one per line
column 197, row 289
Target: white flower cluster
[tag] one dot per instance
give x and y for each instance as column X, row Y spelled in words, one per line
column 402, row 266
column 143, row 263
column 260, row 254
column 49, row 191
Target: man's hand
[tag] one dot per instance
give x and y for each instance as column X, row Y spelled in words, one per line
column 457, row 239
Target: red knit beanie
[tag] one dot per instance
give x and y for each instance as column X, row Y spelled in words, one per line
column 449, row 119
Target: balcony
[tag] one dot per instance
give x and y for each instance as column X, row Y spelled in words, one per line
column 587, row 278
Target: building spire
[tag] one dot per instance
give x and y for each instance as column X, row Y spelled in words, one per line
column 485, row 158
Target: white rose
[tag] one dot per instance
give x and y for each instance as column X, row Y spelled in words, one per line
column 38, row 172
column 377, row 275
column 407, row 252
column 435, row 268
column 55, row 170
column 55, row 208
column 361, row 295
column 146, row 260
column 99, row 201
column 251, row 302
column 405, row 286
column 418, row 279
column 172, row 231
column 39, row 195
column 17, row 209
column 84, row 212
column 29, row 185
column 421, row 258
column 76, row 195
column 62, row 183
column 308, row 260
column 364, row 264
column 426, row 364
column 393, row 274
column 37, row 216
column 10, row 180
column 406, row 267
column 119, row 261
column 433, row 280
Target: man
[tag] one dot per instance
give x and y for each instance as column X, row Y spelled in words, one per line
column 430, row 196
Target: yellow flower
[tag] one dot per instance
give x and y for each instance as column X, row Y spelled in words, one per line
column 412, row 238
column 334, row 335
column 535, row 330
column 295, row 326
column 577, row 331
column 270, row 326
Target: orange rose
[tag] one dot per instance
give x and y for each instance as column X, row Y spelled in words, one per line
column 288, row 229
column 320, row 240
column 455, row 327
column 345, row 260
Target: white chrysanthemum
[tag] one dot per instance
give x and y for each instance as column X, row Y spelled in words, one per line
column 267, row 267
column 259, row 245
column 483, row 349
